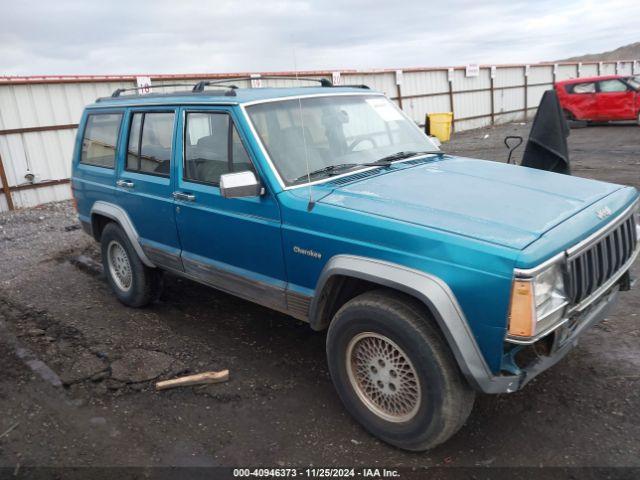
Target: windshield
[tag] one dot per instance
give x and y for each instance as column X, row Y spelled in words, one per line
column 341, row 132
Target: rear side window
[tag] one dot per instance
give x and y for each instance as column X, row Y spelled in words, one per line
column 213, row 148
column 582, row 88
column 150, row 141
column 612, row 86
column 100, row 139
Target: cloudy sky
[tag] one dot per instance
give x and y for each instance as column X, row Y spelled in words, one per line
column 184, row 36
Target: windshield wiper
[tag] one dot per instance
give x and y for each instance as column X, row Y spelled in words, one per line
column 389, row 159
column 329, row 170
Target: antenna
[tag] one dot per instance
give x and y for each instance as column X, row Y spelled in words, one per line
column 311, row 203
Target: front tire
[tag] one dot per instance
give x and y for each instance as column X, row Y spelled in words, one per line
column 394, row 373
column 133, row 283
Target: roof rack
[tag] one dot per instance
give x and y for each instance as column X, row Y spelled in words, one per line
column 116, row 93
column 199, row 87
column 230, row 89
column 361, row 85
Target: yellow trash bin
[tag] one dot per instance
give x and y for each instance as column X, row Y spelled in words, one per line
column 440, row 125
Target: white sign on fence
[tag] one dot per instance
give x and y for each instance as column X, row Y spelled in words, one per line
column 256, row 81
column 144, row 85
column 472, row 70
column 493, row 71
column 335, row 78
column 450, row 74
column 398, row 77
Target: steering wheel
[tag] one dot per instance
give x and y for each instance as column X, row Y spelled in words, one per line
column 362, row 138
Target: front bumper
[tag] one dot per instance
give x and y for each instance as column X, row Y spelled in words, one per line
column 617, row 242
column 564, row 339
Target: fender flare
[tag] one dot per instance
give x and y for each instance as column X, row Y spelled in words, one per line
column 118, row 215
column 437, row 297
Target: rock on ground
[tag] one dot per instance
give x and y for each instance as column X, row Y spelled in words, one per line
column 86, row 365
column 139, row 365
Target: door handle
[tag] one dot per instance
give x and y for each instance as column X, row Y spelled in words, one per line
column 125, row 183
column 187, row 197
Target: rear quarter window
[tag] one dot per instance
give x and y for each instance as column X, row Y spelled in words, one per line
column 100, row 138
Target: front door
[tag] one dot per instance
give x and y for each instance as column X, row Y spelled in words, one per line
column 232, row 244
column 582, row 101
column 145, row 183
column 616, row 100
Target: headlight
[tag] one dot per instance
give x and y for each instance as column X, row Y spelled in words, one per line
column 549, row 296
column 537, row 303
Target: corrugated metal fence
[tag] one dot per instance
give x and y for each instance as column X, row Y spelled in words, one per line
column 39, row 115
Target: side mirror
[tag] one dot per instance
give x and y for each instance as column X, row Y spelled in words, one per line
column 240, row 184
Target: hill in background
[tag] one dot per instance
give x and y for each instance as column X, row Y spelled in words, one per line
column 628, row 52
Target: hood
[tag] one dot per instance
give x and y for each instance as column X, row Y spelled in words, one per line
column 498, row 203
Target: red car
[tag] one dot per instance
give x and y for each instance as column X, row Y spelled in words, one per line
column 611, row 97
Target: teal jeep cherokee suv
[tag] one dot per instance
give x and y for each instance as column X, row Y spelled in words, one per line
column 436, row 276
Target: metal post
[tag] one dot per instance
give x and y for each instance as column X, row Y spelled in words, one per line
column 399, row 93
column 5, row 186
column 450, row 81
column 526, row 91
column 491, row 90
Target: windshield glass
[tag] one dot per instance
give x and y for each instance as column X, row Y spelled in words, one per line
column 340, row 133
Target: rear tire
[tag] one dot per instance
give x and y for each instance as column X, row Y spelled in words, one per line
column 394, row 372
column 133, row 283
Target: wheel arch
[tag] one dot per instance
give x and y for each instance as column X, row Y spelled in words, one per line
column 431, row 291
column 103, row 212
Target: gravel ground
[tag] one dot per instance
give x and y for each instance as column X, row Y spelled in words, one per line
column 77, row 368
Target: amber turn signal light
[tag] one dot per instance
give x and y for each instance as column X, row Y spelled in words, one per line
column 521, row 313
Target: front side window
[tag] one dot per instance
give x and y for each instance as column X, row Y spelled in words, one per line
column 212, row 148
column 150, row 140
column 607, row 86
column 100, row 139
column 324, row 135
column 583, row 88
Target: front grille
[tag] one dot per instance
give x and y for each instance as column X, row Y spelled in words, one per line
column 591, row 268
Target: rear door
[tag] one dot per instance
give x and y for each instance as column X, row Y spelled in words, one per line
column 581, row 100
column 233, row 244
column 146, row 184
column 616, row 100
